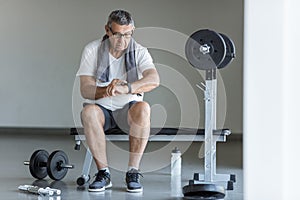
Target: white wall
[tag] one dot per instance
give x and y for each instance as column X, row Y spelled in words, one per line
column 41, row 43
column 271, row 99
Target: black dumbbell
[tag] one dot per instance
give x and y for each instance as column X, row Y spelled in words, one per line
column 55, row 165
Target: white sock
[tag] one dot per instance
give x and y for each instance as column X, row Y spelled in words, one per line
column 130, row 168
column 105, row 168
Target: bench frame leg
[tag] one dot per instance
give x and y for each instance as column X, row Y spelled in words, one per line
column 85, row 174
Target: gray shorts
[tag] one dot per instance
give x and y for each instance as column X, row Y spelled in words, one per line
column 117, row 118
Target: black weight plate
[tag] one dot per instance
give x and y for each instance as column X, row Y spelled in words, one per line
column 230, row 52
column 37, row 164
column 204, row 191
column 55, row 161
column 200, row 59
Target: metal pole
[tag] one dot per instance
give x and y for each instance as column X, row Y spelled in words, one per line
column 210, row 124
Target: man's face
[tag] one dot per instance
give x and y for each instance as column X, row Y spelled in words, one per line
column 119, row 36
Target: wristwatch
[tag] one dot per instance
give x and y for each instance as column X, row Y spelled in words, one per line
column 130, row 89
column 128, row 85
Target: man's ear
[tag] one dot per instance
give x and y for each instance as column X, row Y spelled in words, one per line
column 106, row 29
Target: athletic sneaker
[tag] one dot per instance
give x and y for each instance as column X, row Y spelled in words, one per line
column 133, row 181
column 101, row 182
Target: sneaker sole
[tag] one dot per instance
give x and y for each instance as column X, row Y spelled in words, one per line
column 135, row 190
column 100, row 189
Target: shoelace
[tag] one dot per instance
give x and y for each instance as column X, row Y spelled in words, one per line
column 134, row 176
column 101, row 175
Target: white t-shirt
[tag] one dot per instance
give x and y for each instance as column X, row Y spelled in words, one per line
column 88, row 67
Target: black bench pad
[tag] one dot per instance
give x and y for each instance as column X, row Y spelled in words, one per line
column 158, row 131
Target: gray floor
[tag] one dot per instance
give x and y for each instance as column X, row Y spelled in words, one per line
column 157, row 181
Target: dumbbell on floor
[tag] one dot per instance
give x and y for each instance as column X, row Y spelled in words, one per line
column 55, row 165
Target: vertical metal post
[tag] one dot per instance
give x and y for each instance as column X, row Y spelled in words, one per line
column 210, row 125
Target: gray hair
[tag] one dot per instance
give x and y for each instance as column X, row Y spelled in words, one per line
column 120, row 17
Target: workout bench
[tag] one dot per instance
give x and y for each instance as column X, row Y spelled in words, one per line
column 156, row 134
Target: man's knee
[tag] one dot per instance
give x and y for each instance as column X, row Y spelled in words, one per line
column 92, row 114
column 140, row 112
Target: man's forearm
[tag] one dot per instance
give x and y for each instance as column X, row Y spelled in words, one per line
column 93, row 92
column 140, row 87
column 145, row 84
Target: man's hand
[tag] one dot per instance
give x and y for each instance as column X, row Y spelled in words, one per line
column 116, row 87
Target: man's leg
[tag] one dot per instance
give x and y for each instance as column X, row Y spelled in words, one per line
column 139, row 122
column 93, row 119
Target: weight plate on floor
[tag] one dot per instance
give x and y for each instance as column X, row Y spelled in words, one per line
column 230, row 52
column 54, row 165
column 205, row 49
column 204, row 191
column 37, row 164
